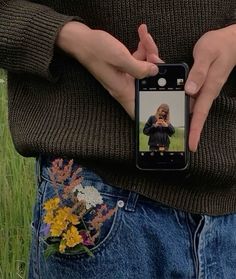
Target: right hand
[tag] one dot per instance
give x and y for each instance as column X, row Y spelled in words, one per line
column 109, row 61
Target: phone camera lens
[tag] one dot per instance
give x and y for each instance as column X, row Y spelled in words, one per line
column 162, row 70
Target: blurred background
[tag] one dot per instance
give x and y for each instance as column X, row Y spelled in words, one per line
column 17, row 195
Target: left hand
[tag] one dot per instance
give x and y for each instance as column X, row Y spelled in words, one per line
column 214, row 59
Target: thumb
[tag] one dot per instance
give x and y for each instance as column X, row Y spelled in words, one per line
column 139, row 69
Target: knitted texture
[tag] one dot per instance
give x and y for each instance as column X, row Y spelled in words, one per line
column 56, row 107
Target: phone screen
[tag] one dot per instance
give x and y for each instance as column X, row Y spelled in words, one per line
column 162, row 110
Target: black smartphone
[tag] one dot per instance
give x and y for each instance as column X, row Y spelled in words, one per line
column 162, row 119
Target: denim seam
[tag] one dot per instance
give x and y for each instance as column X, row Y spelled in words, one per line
column 197, row 246
column 195, row 260
column 38, row 169
column 34, row 259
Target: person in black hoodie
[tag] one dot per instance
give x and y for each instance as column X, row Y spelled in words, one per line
column 159, row 129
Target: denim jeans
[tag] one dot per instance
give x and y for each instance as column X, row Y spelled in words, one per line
column 142, row 240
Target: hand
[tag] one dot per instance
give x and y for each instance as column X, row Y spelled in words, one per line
column 109, row 61
column 155, row 124
column 214, row 58
column 164, row 124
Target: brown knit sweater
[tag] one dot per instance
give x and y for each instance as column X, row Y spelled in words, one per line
column 57, row 108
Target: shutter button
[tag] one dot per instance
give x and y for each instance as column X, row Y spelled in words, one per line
column 120, row 203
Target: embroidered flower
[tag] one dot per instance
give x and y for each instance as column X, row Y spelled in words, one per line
column 86, row 238
column 52, row 204
column 49, row 217
column 72, row 237
column 59, row 219
column 90, row 194
column 64, row 225
column 57, row 228
column 62, row 246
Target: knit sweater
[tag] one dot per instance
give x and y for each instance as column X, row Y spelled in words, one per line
column 56, row 107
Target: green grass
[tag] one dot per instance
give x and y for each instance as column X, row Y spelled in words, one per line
column 176, row 140
column 17, row 194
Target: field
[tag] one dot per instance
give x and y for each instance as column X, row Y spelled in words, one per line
column 17, row 186
column 176, row 140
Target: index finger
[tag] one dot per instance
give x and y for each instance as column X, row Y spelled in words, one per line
column 214, row 82
column 152, row 52
column 200, row 112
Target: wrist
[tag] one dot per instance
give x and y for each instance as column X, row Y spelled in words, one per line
column 71, row 37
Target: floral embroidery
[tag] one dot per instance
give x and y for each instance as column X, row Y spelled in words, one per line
column 65, row 226
column 89, row 194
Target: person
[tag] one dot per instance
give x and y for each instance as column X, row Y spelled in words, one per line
column 159, row 129
column 71, row 69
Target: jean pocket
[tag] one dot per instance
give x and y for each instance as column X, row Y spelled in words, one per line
column 93, row 224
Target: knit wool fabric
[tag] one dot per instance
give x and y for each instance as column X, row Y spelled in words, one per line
column 56, row 107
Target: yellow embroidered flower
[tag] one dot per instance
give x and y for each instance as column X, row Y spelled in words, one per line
column 72, row 237
column 74, row 219
column 62, row 246
column 49, row 218
column 51, row 204
column 60, row 219
column 64, row 214
column 57, row 228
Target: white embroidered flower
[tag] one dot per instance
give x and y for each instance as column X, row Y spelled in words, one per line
column 78, row 187
column 88, row 193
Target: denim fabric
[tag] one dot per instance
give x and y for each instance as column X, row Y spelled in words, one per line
column 143, row 240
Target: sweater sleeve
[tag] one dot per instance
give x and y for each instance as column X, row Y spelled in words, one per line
column 170, row 130
column 28, row 32
column 148, row 127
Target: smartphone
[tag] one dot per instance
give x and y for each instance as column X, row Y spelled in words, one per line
column 162, row 119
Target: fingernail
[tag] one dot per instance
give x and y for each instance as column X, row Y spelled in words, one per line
column 154, row 70
column 191, row 87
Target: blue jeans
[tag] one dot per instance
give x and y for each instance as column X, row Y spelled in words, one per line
column 142, row 240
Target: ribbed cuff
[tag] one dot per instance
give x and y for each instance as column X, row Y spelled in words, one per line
column 28, row 33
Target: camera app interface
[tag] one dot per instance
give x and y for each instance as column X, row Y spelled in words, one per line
column 162, row 121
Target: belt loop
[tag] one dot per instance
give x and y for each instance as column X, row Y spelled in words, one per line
column 131, row 201
column 38, row 168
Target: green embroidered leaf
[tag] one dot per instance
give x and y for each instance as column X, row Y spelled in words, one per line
column 53, row 239
column 51, row 249
column 81, row 248
column 88, row 251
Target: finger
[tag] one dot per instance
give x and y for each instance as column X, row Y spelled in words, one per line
column 191, row 104
column 200, row 112
column 136, row 68
column 142, row 30
column 216, row 78
column 140, row 53
column 153, row 59
column 152, row 52
column 203, row 59
column 147, row 40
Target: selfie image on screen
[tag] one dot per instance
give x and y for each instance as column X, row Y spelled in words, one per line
column 162, row 118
